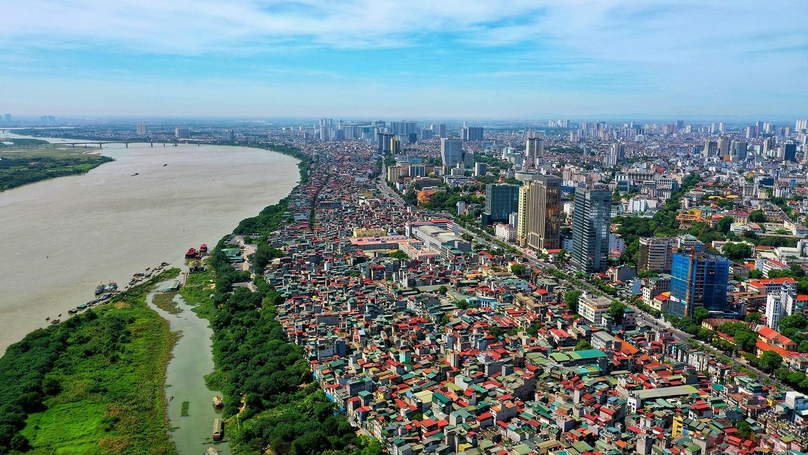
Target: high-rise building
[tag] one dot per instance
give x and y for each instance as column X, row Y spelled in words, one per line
column 383, row 142
column 739, row 149
column 655, row 254
column 480, row 169
column 790, row 152
column 500, row 201
column 7, row 117
column 142, row 129
column 182, row 133
column 472, row 133
column 700, row 280
column 590, row 229
column 751, row 132
column 229, row 135
column 710, row 148
column 540, row 213
column 802, row 124
column 451, row 152
column 779, row 304
column 723, row 147
column 442, row 130
column 534, row 149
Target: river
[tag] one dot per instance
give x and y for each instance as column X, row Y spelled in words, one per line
column 60, row 238
column 185, row 381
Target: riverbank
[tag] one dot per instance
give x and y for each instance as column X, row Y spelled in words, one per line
column 62, row 237
column 92, row 384
column 20, row 167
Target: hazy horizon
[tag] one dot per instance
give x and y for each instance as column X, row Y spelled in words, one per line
column 539, row 59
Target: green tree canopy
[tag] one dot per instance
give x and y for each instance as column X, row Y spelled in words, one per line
column 700, row 314
column 616, row 311
column 583, row 345
column 571, row 299
column 736, row 251
column 757, row 216
column 770, row 360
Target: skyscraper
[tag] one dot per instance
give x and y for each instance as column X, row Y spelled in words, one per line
column 540, row 213
column 442, row 130
column 229, row 135
column 590, row 230
column 451, row 152
column 500, row 201
column 142, row 129
column 534, row 149
column 182, row 133
column 710, row 148
column 700, row 280
column 472, row 133
column 790, row 152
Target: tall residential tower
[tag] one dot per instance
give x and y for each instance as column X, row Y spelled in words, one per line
column 590, row 230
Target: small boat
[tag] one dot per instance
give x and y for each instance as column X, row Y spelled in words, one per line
column 99, row 289
column 203, row 248
column 47, row 318
column 165, row 165
column 218, row 429
column 135, row 174
column 111, row 286
column 211, row 451
column 217, row 402
column 72, row 311
column 191, row 253
column 55, row 321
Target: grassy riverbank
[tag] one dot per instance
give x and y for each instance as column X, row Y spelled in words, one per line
column 20, row 166
column 92, row 384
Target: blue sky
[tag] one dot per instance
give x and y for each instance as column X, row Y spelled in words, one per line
column 457, row 59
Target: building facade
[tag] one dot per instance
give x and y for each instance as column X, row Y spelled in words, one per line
column 590, row 230
column 705, row 285
column 655, row 254
column 500, row 201
column 540, row 213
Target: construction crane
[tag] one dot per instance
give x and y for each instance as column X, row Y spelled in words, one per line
column 691, row 267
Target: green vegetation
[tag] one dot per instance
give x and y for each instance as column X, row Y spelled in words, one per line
column 165, row 301
column 518, row 270
column 92, row 384
column 616, row 311
column 184, row 410
column 583, row 345
column 736, row 251
column 21, row 168
column 571, row 299
column 398, row 254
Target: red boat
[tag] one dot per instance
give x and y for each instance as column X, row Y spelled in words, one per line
column 191, row 253
column 203, row 248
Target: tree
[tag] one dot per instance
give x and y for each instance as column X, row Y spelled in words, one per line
column 770, row 360
column 518, row 270
column 736, row 251
column 755, row 274
column 754, row 316
column 571, row 299
column 724, row 224
column 443, row 290
column 700, row 314
column 583, row 345
column 616, row 311
column 757, row 216
column 463, row 304
column 803, row 347
column 398, row 254
column 743, row 428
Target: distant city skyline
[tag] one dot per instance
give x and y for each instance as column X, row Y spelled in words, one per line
column 537, row 59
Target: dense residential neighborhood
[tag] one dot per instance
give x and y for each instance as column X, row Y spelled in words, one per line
column 593, row 289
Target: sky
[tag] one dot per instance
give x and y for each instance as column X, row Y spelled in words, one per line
column 458, row 59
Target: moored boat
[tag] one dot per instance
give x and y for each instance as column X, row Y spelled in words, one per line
column 217, row 402
column 99, row 289
column 191, row 253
